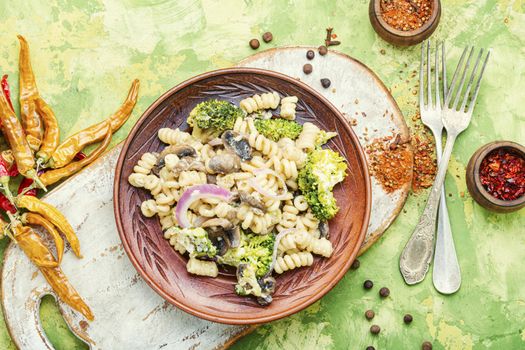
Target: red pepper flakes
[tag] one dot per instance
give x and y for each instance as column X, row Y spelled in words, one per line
column 390, row 162
column 502, row 174
column 425, row 164
column 406, row 15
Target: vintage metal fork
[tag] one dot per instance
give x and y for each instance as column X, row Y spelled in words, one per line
column 415, row 258
column 446, row 274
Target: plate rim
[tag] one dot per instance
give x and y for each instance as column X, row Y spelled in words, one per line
column 224, row 319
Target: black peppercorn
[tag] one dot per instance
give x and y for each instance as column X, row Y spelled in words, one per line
column 384, row 292
column 325, row 82
column 370, row 348
column 310, row 54
column 369, row 314
column 254, row 44
column 426, row 346
column 375, row 329
column 322, row 50
column 355, row 264
column 407, row 318
column 267, row 37
column 368, row 284
column 307, row 68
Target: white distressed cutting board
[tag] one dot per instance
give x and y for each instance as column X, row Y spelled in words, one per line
column 128, row 314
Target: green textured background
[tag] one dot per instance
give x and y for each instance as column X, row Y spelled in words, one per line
column 86, row 52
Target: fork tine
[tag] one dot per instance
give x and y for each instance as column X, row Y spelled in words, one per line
column 443, row 70
column 429, row 77
column 436, row 77
column 463, row 76
column 478, row 84
column 422, row 77
column 454, row 77
column 469, row 86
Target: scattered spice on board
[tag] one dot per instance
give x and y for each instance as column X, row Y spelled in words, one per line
column 390, row 162
column 406, row 15
column 425, row 165
column 502, row 174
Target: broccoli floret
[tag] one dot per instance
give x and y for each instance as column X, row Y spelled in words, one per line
column 195, row 241
column 323, row 137
column 247, row 282
column 255, row 250
column 323, row 170
column 276, row 129
column 215, row 114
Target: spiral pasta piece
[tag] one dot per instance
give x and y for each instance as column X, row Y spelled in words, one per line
column 137, row 180
column 263, row 144
column 202, row 268
column 288, row 105
column 192, row 178
column 173, row 136
column 285, row 167
column 153, row 184
column 269, row 100
column 293, row 261
column 307, row 137
column 146, row 162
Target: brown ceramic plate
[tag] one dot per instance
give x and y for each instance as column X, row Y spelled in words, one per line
column 214, row 298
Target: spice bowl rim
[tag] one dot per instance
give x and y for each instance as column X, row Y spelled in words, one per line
column 478, row 158
column 399, row 37
column 436, row 6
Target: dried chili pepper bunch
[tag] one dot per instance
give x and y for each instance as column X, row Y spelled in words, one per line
column 38, row 156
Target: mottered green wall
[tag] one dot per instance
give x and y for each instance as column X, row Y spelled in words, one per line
column 86, row 52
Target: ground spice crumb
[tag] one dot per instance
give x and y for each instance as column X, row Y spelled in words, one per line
column 391, row 166
column 425, row 165
column 406, row 15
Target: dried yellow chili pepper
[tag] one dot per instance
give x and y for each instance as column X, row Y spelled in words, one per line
column 67, row 150
column 51, row 131
column 28, row 93
column 33, row 246
column 52, row 214
column 65, row 291
column 15, row 136
column 35, row 219
column 53, row 176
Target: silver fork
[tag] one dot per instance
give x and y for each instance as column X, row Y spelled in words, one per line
column 446, row 274
column 415, row 258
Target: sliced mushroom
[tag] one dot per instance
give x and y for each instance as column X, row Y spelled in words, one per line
column 224, row 163
column 216, row 142
column 180, row 151
column 251, row 200
column 234, row 235
column 324, row 229
column 237, row 143
column 158, row 166
column 186, row 164
column 267, row 289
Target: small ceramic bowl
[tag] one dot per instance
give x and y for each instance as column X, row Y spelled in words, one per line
column 398, row 37
column 477, row 190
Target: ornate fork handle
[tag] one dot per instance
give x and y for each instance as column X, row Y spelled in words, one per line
column 416, row 256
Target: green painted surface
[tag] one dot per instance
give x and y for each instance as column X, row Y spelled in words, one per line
column 86, row 52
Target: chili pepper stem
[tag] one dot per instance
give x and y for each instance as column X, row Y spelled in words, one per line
column 27, row 189
column 40, row 184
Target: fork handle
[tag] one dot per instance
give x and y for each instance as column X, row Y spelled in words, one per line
column 417, row 254
column 446, row 274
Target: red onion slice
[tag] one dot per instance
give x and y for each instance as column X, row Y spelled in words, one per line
column 276, row 246
column 193, row 194
column 255, row 184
